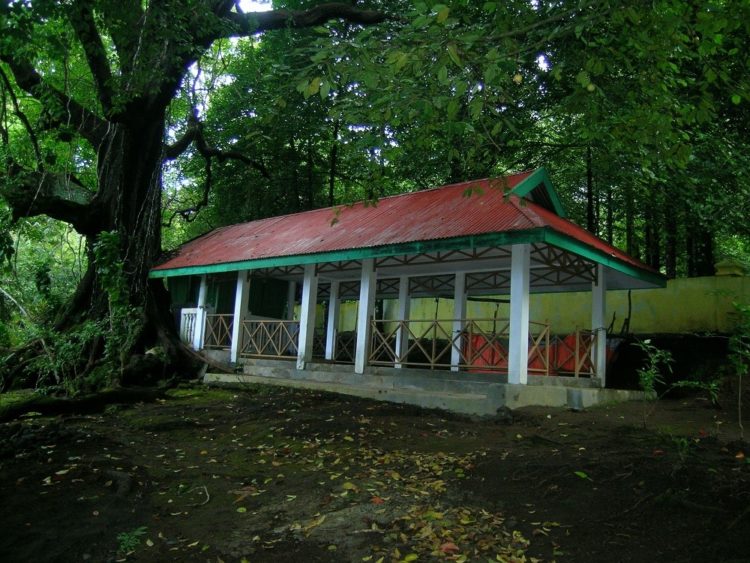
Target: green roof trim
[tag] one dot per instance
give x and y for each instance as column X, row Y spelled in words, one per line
column 572, row 245
column 536, row 178
column 546, row 235
column 418, row 247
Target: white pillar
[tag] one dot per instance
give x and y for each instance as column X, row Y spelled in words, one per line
column 364, row 314
column 404, row 310
column 459, row 314
column 290, row 300
column 307, row 316
column 518, row 353
column 200, row 315
column 333, row 321
column 241, row 296
column 598, row 314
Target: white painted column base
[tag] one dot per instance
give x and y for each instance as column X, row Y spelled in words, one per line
column 333, row 321
column 200, row 315
column 404, row 310
column 307, row 316
column 364, row 314
column 598, row 316
column 518, row 353
column 459, row 314
column 241, row 296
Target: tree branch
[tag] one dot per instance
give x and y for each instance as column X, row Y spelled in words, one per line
column 58, row 196
column 123, row 19
column 87, row 123
column 257, row 22
column 23, row 118
column 189, row 214
column 194, row 134
column 81, row 18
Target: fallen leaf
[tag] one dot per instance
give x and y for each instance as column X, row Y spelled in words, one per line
column 314, row 523
column 377, row 500
column 449, row 548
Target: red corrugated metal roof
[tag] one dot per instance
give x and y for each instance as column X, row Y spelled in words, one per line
column 439, row 213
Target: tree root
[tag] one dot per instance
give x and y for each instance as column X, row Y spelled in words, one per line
column 85, row 404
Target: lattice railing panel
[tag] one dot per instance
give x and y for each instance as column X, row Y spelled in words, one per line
column 481, row 345
column 270, row 338
column 218, row 333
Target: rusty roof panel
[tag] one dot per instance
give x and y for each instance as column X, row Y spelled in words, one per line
column 425, row 215
column 458, row 210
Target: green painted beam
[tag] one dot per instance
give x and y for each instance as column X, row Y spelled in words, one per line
column 581, row 249
column 419, row 247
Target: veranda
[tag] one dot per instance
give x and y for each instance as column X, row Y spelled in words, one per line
column 256, row 291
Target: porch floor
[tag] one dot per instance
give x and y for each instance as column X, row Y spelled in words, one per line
column 461, row 391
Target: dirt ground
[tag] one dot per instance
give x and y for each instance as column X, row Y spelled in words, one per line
column 271, row 474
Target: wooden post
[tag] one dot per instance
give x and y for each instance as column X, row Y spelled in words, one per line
column 404, row 310
column 459, row 314
column 241, row 296
column 598, row 313
column 364, row 314
column 333, row 320
column 307, row 316
column 518, row 354
column 200, row 315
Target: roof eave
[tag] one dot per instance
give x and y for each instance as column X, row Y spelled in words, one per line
column 414, row 247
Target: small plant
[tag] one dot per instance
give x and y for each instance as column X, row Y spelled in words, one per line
column 650, row 375
column 739, row 355
column 127, row 542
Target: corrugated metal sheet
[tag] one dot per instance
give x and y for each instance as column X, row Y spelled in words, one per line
column 440, row 213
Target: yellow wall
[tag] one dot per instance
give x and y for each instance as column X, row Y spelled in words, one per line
column 685, row 305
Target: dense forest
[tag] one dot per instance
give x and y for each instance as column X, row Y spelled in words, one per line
column 128, row 127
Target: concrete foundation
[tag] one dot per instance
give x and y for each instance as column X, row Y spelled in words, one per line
column 461, row 392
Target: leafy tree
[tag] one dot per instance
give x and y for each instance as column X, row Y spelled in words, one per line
column 87, row 86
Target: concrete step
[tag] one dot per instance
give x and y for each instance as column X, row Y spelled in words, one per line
column 455, row 401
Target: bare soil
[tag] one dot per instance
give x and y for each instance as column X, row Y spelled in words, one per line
column 271, row 474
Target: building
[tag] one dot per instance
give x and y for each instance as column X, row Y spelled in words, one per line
column 252, row 291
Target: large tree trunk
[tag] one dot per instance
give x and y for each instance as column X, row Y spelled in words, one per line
column 129, row 203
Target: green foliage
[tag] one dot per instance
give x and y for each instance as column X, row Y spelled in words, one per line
column 650, row 376
column 65, row 356
column 127, row 542
column 125, row 320
column 739, row 355
column 739, row 343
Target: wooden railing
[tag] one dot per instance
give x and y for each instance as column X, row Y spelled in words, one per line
column 481, row 345
column 218, row 333
column 270, row 338
column 572, row 354
column 346, row 347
